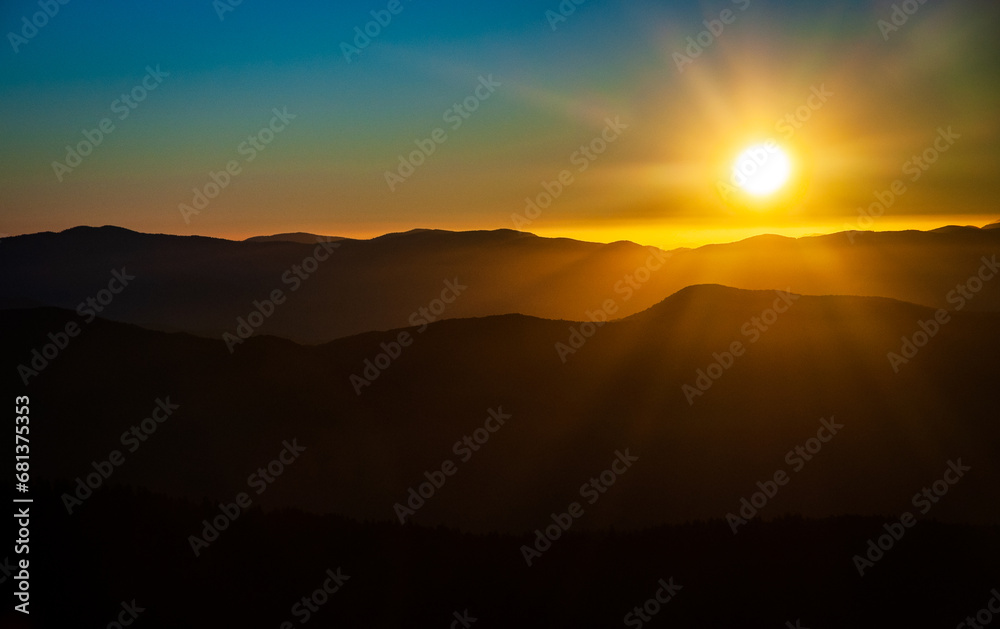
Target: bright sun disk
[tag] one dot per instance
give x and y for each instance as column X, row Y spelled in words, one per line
column 762, row 169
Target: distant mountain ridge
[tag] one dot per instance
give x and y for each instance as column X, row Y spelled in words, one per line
column 207, row 285
column 299, row 237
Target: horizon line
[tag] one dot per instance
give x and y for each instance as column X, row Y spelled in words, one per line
column 545, row 233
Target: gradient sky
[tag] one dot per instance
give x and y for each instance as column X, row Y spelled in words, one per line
column 655, row 184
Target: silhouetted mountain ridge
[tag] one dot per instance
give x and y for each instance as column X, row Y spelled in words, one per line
column 205, row 285
column 824, row 357
column 299, row 237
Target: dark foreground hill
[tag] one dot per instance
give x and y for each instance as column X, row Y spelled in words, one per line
column 204, row 285
column 654, row 419
column 132, row 546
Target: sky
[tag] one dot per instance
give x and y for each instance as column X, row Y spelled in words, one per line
column 616, row 120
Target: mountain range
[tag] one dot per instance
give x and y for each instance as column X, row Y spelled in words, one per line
column 704, row 419
column 206, row 286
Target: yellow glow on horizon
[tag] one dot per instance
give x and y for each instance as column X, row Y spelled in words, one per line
column 665, row 234
column 695, row 233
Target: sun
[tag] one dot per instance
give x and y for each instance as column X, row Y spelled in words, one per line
column 762, row 169
column 760, row 175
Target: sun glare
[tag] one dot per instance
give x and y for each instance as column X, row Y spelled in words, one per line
column 762, row 169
